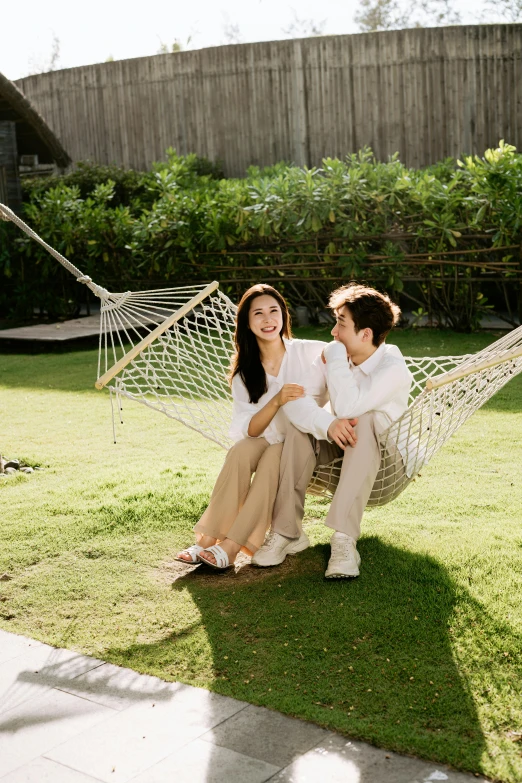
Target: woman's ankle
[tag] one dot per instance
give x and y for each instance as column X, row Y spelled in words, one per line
column 231, row 547
column 206, row 541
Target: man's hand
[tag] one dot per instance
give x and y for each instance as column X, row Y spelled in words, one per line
column 342, row 432
column 324, row 352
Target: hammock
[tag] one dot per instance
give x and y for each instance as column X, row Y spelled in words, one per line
column 170, row 349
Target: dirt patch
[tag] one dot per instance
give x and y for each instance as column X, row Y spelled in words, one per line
column 243, row 572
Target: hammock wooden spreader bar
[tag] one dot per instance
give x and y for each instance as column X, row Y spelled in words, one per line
column 159, row 330
column 471, row 369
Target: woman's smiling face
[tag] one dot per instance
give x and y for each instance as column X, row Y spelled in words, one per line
column 265, row 318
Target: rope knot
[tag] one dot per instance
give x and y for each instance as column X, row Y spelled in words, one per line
column 97, row 290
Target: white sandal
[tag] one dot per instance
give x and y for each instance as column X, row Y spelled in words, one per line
column 222, row 561
column 193, row 551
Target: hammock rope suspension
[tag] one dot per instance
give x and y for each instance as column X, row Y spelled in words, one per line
column 170, row 349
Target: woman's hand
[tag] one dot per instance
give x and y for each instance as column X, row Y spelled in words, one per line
column 260, row 421
column 288, row 393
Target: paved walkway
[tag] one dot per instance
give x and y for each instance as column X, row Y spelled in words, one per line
column 75, row 329
column 66, row 333
column 68, row 718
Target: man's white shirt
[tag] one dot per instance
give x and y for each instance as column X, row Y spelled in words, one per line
column 380, row 384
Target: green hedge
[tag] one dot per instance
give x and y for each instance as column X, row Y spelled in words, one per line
column 307, row 229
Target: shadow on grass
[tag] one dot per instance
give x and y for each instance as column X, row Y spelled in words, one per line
column 70, row 372
column 373, row 658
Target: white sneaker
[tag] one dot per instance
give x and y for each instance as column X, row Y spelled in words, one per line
column 345, row 559
column 277, row 547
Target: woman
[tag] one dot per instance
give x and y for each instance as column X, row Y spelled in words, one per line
column 268, row 371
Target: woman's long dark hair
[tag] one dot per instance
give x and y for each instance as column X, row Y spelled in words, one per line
column 247, row 361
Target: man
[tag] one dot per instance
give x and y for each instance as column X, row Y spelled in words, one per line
column 369, row 384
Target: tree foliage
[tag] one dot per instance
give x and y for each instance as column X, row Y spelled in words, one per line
column 502, row 11
column 44, row 64
column 374, row 15
column 300, row 27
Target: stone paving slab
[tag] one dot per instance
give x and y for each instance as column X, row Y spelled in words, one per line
column 338, row 760
column 12, row 645
column 202, row 762
column 30, row 729
column 66, row 331
column 37, row 670
column 44, row 771
column 75, row 719
column 119, row 688
column 137, row 738
column 266, row 735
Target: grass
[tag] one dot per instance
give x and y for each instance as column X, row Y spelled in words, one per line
column 421, row 654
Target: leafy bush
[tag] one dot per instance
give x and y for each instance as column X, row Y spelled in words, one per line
column 436, row 237
column 130, row 188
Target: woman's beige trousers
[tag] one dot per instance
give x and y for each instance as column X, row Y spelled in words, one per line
column 240, row 507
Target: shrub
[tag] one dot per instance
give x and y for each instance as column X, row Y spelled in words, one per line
column 135, row 189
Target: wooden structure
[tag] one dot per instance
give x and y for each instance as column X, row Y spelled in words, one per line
column 23, row 132
column 424, row 93
column 9, row 183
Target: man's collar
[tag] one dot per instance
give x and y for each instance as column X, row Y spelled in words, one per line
column 371, row 363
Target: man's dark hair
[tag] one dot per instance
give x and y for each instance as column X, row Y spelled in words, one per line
column 369, row 309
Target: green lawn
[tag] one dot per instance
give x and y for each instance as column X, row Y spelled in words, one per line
column 421, row 654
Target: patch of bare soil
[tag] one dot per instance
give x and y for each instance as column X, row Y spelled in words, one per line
column 174, row 572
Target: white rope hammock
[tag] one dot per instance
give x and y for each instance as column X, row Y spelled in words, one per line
column 170, row 349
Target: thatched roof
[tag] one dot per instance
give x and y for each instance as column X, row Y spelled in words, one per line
column 34, row 137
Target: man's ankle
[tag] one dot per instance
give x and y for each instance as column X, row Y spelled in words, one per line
column 283, row 535
column 338, row 534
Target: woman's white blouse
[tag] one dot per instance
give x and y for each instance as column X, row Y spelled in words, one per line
column 296, row 367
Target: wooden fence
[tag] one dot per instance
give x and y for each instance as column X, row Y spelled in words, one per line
column 424, row 93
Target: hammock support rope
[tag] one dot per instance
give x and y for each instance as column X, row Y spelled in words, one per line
column 170, row 349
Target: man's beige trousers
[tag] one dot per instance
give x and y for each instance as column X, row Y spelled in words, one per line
column 362, row 470
column 240, row 507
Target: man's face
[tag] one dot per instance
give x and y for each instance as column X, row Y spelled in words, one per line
column 344, row 331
